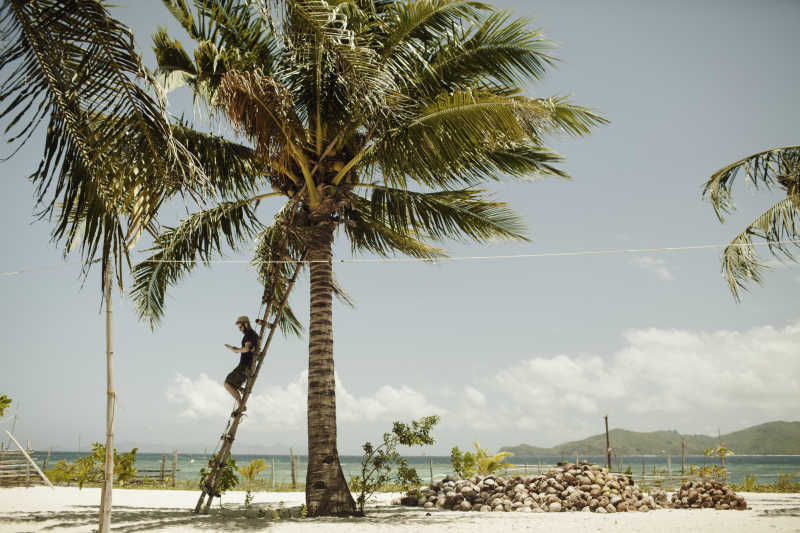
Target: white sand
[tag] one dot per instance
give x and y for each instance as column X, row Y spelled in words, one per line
column 69, row 509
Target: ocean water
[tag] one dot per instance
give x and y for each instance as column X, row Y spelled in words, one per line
column 765, row 467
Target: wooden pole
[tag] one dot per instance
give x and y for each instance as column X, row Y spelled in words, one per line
column 272, row 481
column 108, row 480
column 174, row 465
column 28, row 465
column 291, row 461
column 669, row 465
column 608, row 444
column 163, row 467
column 430, row 468
column 47, row 459
column 683, row 456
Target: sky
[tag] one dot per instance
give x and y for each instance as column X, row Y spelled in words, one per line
column 506, row 350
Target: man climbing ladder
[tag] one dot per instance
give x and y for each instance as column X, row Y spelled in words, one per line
column 209, row 485
column 237, row 377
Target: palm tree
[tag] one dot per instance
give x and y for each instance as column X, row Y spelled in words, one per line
column 376, row 119
column 109, row 156
column 778, row 225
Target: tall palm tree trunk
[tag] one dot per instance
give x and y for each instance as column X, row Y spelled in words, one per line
column 326, row 489
column 108, row 480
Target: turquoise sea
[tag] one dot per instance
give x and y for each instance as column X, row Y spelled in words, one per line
column 764, row 467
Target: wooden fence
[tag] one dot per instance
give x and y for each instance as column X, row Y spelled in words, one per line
column 15, row 470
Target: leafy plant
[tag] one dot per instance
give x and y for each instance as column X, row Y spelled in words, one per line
column 227, row 475
column 378, row 461
column 91, row 468
column 486, row 465
column 749, row 482
column 786, row 482
column 249, row 473
column 463, row 463
column 5, row 402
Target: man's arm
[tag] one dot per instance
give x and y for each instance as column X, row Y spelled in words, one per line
column 248, row 347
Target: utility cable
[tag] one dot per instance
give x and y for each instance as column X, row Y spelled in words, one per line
column 445, row 259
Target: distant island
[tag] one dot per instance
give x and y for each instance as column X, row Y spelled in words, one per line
column 772, row 438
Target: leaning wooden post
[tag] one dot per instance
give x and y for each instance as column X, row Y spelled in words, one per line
column 108, row 479
column 291, row 461
column 27, row 457
column 27, row 465
column 163, row 467
column 608, row 444
column 683, row 456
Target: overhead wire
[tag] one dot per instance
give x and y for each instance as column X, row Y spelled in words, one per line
column 444, row 259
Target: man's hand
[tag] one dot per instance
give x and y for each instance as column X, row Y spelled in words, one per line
column 228, row 346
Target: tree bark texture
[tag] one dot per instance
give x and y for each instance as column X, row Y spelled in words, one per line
column 326, row 489
column 108, row 480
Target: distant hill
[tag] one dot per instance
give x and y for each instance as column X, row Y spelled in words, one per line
column 772, row 438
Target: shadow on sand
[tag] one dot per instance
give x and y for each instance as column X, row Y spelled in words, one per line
column 232, row 519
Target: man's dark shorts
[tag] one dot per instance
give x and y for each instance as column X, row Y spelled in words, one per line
column 237, row 377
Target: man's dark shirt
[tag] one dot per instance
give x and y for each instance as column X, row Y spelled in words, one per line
column 246, row 358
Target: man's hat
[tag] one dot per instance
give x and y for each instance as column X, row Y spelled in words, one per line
column 242, row 320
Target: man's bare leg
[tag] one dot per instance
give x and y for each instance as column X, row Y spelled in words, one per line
column 235, row 393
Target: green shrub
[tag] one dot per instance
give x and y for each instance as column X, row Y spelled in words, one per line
column 378, row 461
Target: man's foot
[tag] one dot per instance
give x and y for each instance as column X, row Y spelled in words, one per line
column 239, row 411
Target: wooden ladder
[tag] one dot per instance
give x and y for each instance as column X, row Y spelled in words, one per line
column 210, row 484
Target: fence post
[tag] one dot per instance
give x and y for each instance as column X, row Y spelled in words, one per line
column 291, row 460
column 669, row 465
column 430, row 467
column 174, row 466
column 163, row 467
column 608, row 444
column 683, row 456
column 47, row 459
column 272, row 482
column 642, row 472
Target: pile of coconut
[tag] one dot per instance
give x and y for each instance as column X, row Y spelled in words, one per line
column 568, row 487
column 707, row 494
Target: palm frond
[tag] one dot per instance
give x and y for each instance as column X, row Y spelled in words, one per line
column 176, row 252
column 368, row 233
column 261, row 109
column 175, row 67
column 460, row 214
column 776, row 226
column 500, row 53
column 233, row 170
column 424, row 21
column 276, row 254
column 777, row 166
column 466, row 136
column 71, row 61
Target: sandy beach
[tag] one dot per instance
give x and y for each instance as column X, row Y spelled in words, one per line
column 69, row 509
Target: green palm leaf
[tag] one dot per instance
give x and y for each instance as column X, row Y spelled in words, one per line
column 777, row 166
column 776, row 225
column 70, row 61
column 460, row 214
column 176, row 251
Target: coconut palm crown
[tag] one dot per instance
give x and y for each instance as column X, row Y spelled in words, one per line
column 376, row 120
column 778, row 225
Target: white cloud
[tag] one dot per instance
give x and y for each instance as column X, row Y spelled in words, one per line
column 285, row 407
column 654, row 265
column 660, row 379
